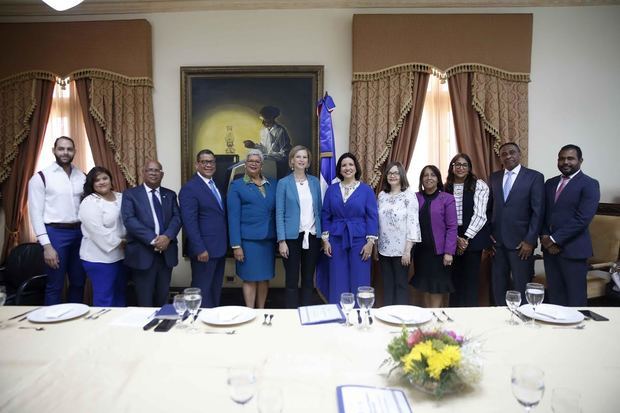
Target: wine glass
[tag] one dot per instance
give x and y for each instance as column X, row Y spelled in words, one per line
column 534, row 294
column 565, row 400
column 347, row 302
column 180, row 306
column 365, row 300
column 241, row 382
column 528, row 385
column 193, row 299
column 513, row 301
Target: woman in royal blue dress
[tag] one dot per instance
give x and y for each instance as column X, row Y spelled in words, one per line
column 251, row 204
column 350, row 228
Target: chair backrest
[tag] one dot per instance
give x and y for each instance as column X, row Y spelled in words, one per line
column 24, row 261
column 605, row 234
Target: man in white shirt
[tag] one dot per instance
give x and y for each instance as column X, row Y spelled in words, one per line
column 53, row 202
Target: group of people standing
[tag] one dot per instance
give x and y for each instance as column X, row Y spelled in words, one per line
column 86, row 228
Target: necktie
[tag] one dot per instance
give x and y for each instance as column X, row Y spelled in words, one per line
column 215, row 193
column 508, row 184
column 159, row 211
column 561, row 187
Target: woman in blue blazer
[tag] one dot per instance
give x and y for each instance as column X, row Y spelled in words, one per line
column 251, row 204
column 298, row 224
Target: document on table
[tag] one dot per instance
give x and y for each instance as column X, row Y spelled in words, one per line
column 366, row 399
column 318, row 314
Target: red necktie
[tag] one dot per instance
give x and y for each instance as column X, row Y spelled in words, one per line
column 561, row 187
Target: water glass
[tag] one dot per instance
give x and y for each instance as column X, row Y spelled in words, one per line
column 193, row 299
column 565, row 400
column 513, row 301
column 180, row 306
column 241, row 382
column 528, row 385
column 534, row 294
column 347, row 302
column 365, row 300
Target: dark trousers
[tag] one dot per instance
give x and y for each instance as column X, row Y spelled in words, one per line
column 395, row 285
column 208, row 276
column 152, row 285
column 466, row 279
column 66, row 242
column 566, row 280
column 109, row 282
column 506, row 263
column 302, row 260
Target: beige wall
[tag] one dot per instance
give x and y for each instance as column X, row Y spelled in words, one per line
column 574, row 94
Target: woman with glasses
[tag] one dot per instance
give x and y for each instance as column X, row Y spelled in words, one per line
column 251, row 204
column 432, row 258
column 298, row 225
column 350, row 227
column 399, row 230
column 471, row 197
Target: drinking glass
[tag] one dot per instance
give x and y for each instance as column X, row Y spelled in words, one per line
column 565, row 400
column 513, row 301
column 180, row 306
column 269, row 399
column 193, row 299
column 241, row 382
column 365, row 300
column 347, row 302
column 528, row 385
column 534, row 294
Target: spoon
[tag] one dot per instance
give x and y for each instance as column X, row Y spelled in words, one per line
column 265, row 320
column 32, row 328
column 270, row 318
column 229, row 332
column 578, row 327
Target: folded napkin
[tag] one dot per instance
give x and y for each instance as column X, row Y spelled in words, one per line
column 57, row 311
column 167, row 312
column 228, row 314
column 555, row 313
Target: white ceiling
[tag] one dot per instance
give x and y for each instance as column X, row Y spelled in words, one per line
column 95, row 7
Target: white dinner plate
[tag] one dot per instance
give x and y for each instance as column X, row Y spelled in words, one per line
column 227, row 315
column 403, row 314
column 551, row 313
column 58, row 312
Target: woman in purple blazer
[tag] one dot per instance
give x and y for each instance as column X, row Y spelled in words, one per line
column 433, row 256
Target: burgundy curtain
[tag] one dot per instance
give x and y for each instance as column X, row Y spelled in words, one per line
column 15, row 188
column 102, row 153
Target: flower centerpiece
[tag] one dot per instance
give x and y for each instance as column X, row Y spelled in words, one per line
column 436, row 361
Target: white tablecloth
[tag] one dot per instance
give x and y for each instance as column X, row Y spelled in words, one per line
column 95, row 366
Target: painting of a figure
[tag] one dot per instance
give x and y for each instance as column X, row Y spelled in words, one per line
column 231, row 110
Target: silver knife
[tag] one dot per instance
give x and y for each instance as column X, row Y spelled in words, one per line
column 23, row 314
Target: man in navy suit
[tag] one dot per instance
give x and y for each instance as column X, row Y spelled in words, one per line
column 571, row 202
column 152, row 218
column 204, row 220
column 516, row 221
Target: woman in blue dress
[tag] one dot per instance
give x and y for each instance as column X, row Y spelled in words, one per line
column 350, row 228
column 251, row 204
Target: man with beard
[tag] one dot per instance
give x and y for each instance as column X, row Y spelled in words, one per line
column 152, row 218
column 571, row 202
column 53, row 202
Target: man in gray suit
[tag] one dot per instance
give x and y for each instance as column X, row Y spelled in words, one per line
column 518, row 195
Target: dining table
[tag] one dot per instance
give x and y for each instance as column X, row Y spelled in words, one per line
column 110, row 364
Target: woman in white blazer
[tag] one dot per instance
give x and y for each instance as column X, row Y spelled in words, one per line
column 298, row 226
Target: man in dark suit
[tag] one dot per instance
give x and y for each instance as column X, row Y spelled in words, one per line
column 518, row 207
column 152, row 218
column 204, row 220
column 571, row 202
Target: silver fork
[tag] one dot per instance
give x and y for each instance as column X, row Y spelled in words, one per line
column 31, row 328
column 99, row 314
column 270, row 318
column 439, row 319
column 447, row 316
column 577, row 327
column 265, row 319
column 229, row 332
column 92, row 316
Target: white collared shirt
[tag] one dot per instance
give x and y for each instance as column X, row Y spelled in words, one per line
column 515, row 172
column 208, row 182
column 570, row 177
column 55, row 201
column 102, row 229
column 150, row 198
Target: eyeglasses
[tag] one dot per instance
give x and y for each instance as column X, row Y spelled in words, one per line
column 207, row 162
column 460, row 165
column 393, row 173
column 253, row 162
column 153, row 170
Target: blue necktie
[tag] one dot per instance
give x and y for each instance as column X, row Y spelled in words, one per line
column 159, row 211
column 508, row 185
column 215, row 193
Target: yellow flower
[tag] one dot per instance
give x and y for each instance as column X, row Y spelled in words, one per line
column 424, row 349
column 448, row 357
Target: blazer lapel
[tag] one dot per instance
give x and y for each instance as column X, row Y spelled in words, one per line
column 144, row 198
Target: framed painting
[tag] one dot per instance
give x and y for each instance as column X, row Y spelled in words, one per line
column 232, row 109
